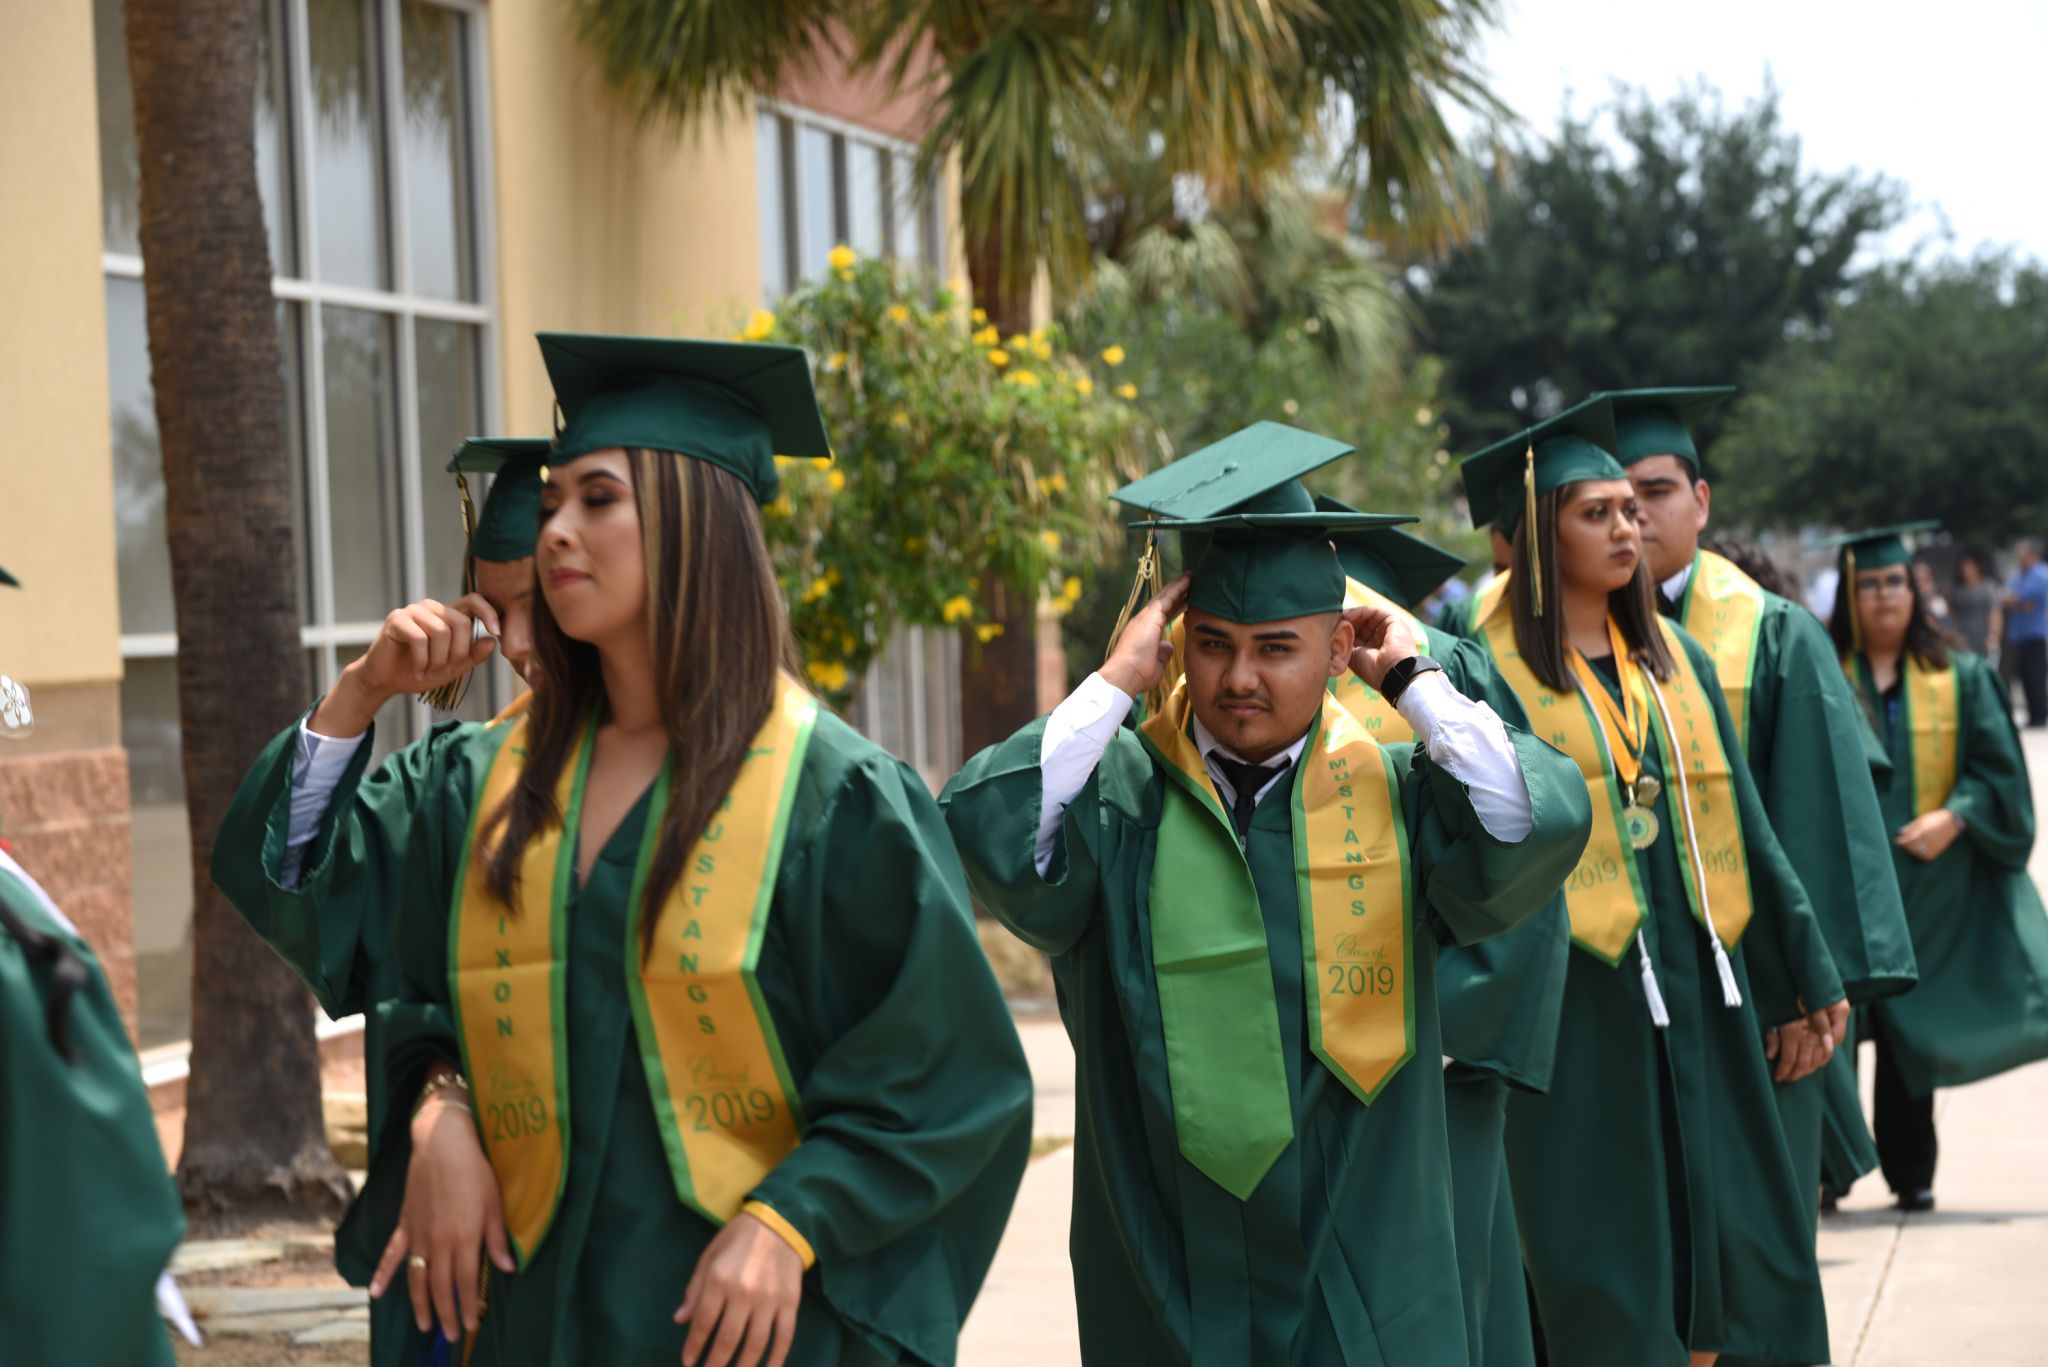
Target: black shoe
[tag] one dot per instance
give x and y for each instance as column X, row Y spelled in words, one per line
column 1917, row 1201
column 1829, row 1203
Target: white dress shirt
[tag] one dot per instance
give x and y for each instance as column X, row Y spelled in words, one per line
column 1463, row 736
column 316, row 769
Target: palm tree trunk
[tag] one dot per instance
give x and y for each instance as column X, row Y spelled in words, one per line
column 999, row 678
column 255, row 1145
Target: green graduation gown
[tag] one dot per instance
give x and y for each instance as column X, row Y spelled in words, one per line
column 1660, row 1209
column 1344, row 1254
column 1978, row 927
column 334, row 928
column 1499, row 1001
column 912, row 1079
column 1805, row 740
column 88, row 1214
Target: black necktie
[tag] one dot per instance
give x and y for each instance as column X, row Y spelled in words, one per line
column 1666, row 604
column 1246, row 780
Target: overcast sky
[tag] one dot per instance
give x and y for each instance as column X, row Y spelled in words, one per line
column 1950, row 98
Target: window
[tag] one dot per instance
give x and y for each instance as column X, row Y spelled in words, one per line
column 822, row 183
column 369, row 142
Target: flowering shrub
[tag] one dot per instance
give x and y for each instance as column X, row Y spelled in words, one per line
column 961, row 459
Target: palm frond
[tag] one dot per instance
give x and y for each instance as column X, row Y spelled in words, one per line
column 676, row 61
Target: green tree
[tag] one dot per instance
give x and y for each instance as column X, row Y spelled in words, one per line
column 1924, row 395
column 964, row 456
column 1022, row 92
column 1680, row 250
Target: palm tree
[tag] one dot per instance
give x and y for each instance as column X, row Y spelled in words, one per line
column 255, row 1144
column 1025, row 93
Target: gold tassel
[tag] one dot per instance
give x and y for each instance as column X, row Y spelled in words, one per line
column 1530, row 534
column 1849, row 595
column 1150, row 580
column 449, row 695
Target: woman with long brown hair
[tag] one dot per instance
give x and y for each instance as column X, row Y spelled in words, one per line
column 1962, row 815
column 1659, row 1206
column 703, row 1056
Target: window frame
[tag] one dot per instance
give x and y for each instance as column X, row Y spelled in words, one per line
column 326, row 637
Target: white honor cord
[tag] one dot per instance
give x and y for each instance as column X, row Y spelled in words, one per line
column 1731, row 995
column 1660, row 1015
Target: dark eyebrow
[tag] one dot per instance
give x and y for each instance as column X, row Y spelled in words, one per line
column 1278, row 634
column 597, row 472
column 1660, row 482
column 1218, row 632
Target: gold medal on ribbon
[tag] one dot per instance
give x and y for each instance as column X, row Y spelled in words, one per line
column 1641, row 826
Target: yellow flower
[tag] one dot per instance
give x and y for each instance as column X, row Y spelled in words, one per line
column 835, row 480
column 846, row 277
column 1113, row 355
column 987, row 336
column 987, row 631
column 1056, row 482
column 1041, row 348
column 999, row 358
column 1050, row 540
column 913, row 545
column 1071, row 590
column 836, row 361
column 841, row 257
column 1127, row 391
column 979, row 316
column 817, row 589
column 958, row 608
column 829, row 675
column 1019, row 342
column 760, row 323
column 899, row 419
column 779, row 508
column 898, row 314
column 1423, row 416
column 1025, row 378
column 1084, row 386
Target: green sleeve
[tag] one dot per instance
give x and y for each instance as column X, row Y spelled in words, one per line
column 991, row 808
column 1991, row 795
column 1787, row 958
column 1476, row 885
column 919, row 1093
column 333, row 926
column 1808, row 754
column 88, row 1214
column 1455, row 618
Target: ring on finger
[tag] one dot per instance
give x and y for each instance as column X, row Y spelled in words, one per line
column 416, row 1263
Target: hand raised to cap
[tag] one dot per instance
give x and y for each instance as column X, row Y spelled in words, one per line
column 1137, row 662
column 1379, row 640
column 420, row 647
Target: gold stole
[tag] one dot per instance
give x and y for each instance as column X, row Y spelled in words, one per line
column 1359, row 698
column 1490, row 597
column 1932, row 721
column 1352, row 885
column 1723, row 609
column 1605, row 897
column 723, row 1097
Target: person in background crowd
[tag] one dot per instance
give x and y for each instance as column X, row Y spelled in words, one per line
column 1975, row 614
column 1930, row 593
column 2026, row 629
column 1958, row 800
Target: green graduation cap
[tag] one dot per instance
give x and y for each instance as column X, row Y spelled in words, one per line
column 1505, row 479
column 1393, row 563
column 1877, row 548
column 509, row 523
column 1254, row 540
column 9, row 580
column 1658, row 422
column 736, row 405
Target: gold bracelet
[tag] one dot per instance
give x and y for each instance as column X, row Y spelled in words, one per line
column 440, row 1080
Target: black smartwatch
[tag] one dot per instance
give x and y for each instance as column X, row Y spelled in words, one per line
column 1403, row 673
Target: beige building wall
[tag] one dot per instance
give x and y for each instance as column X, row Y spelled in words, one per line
column 64, row 791
column 602, row 225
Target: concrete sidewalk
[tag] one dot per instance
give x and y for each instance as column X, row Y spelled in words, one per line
column 1965, row 1286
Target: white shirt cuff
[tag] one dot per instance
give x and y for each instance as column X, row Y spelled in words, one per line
column 316, row 771
column 1076, row 736
column 1472, row 745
